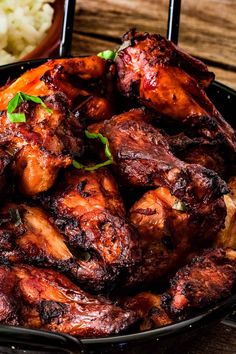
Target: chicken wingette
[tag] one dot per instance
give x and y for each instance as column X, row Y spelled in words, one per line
column 207, row 280
column 43, row 144
column 44, row 299
column 88, row 210
column 153, row 70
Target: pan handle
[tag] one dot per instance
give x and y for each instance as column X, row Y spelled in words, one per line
column 29, row 339
column 67, row 29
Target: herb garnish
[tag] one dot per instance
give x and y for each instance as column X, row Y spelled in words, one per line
column 180, row 206
column 107, row 54
column 16, row 101
column 108, row 154
column 15, row 216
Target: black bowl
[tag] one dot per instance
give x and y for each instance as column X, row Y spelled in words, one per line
column 21, row 340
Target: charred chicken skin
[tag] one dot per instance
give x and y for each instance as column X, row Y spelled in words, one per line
column 153, row 70
column 168, row 232
column 207, row 280
column 43, row 144
column 56, row 76
column 148, row 308
column 142, row 157
column 88, row 210
column 44, row 299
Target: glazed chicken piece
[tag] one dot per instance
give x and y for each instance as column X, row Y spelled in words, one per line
column 153, row 70
column 29, row 236
column 70, row 76
column 209, row 279
column 168, row 232
column 44, row 299
column 142, row 157
column 87, row 208
column 198, row 151
column 148, row 308
column 43, row 144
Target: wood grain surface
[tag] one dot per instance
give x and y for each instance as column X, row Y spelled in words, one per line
column 208, row 31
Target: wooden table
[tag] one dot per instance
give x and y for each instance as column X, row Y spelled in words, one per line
column 208, row 31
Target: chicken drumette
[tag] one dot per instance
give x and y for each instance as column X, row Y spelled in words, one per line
column 43, row 144
column 153, row 70
column 207, row 280
column 44, row 299
column 88, row 210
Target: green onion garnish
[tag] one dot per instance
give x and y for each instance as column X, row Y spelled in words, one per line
column 108, row 154
column 180, row 206
column 15, row 216
column 107, row 54
column 16, row 101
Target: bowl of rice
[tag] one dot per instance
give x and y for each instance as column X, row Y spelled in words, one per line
column 29, row 29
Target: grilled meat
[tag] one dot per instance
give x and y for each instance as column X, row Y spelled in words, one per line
column 207, row 280
column 148, row 308
column 87, row 208
column 43, row 144
column 151, row 69
column 44, row 299
column 198, row 151
column 168, row 232
column 70, row 76
column 28, row 235
column 142, row 157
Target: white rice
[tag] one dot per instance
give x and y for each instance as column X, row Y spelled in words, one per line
column 23, row 24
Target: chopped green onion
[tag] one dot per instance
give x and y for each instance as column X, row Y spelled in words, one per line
column 180, row 206
column 16, row 101
column 108, row 154
column 15, row 216
column 107, row 54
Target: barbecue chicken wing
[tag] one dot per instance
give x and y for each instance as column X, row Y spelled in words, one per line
column 168, row 232
column 151, row 69
column 207, row 280
column 142, row 157
column 70, row 76
column 87, row 208
column 43, row 144
column 148, row 308
column 44, row 299
column 28, row 235
column 198, row 151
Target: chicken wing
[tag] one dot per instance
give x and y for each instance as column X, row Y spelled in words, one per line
column 87, row 208
column 44, row 299
column 151, row 69
column 59, row 75
column 207, row 280
column 142, row 157
column 43, row 144
column 168, row 233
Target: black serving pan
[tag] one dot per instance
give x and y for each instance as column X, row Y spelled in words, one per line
column 158, row 341
column 20, row 340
